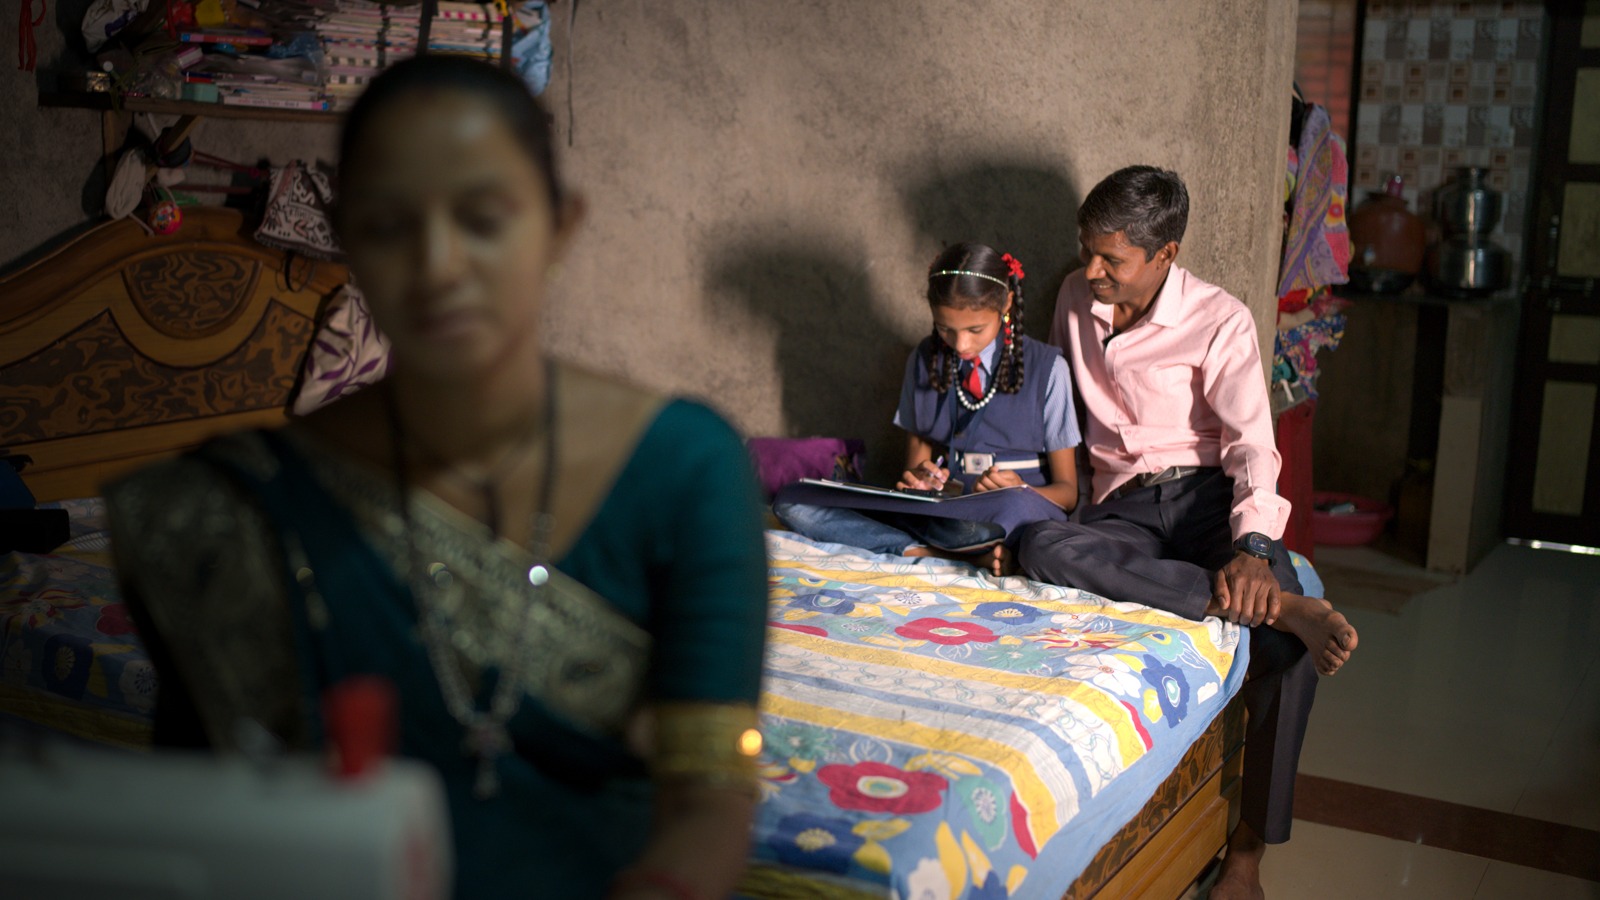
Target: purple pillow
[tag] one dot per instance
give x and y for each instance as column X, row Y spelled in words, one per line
column 781, row 461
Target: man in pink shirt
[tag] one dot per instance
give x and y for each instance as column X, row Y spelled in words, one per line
column 1186, row 515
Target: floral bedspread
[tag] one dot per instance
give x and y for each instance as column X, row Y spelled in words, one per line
column 934, row 733
column 69, row 658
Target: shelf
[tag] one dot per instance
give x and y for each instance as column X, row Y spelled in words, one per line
column 102, row 101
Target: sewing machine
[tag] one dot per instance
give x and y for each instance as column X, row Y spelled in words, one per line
column 79, row 823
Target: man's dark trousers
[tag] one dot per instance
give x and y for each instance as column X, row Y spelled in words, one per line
column 1160, row 546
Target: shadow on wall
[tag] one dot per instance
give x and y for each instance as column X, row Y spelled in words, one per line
column 1015, row 208
column 839, row 360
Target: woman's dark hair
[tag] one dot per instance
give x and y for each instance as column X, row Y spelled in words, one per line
column 504, row 92
column 1149, row 206
column 976, row 276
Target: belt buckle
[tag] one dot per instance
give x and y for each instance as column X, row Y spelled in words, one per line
column 976, row 463
column 1170, row 473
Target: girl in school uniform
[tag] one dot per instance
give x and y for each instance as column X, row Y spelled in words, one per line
column 984, row 407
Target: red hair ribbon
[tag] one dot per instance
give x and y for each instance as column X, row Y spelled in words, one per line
column 27, row 48
column 1013, row 265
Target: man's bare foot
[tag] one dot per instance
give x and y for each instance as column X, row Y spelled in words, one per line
column 1328, row 636
column 1240, row 878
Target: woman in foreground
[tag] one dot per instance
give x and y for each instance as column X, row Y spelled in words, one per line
column 563, row 576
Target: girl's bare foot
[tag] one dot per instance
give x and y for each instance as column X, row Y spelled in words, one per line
column 995, row 560
column 1328, row 636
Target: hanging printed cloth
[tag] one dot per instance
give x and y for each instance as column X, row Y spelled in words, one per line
column 1317, row 250
column 298, row 217
column 1319, row 326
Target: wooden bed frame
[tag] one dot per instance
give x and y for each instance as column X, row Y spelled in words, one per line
column 121, row 348
column 1183, row 827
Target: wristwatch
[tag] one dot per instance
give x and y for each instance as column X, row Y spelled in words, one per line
column 1256, row 544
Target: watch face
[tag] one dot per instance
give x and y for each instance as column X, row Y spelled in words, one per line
column 1258, row 545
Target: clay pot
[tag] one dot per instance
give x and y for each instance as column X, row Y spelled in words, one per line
column 1387, row 243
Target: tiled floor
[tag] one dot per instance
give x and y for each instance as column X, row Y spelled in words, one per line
column 1484, row 693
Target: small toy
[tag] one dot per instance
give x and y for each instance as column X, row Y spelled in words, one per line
column 166, row 217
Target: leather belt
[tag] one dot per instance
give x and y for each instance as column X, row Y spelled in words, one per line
column 1150, row 479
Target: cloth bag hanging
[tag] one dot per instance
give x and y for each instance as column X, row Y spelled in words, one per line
column 299, row 213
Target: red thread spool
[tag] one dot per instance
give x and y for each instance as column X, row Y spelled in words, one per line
column 359, row 716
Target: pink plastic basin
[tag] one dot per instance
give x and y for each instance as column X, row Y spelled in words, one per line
column 1347, row 529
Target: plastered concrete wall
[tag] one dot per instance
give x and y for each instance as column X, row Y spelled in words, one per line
column 767, row 181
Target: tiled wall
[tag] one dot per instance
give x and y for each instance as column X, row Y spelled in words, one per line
column 1445, row 85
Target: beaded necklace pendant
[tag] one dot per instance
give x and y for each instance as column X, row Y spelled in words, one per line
column 486, row 736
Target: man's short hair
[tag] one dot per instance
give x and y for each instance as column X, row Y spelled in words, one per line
column 1149, row 206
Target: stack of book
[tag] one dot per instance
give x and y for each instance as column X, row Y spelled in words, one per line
column 277, row 64
column 255, row 79
column 265, row 64
column 360, row 39
column 470, row 29
column 275, row 84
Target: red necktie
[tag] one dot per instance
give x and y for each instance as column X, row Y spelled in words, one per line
column 974, row 381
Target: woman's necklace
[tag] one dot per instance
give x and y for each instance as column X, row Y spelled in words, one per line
column 486, row 482
column 486, row 733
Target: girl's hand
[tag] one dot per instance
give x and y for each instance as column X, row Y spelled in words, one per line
column 996, row 478
column 925, row 477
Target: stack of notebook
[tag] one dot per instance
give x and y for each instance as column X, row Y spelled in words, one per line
column 357, row 39
column 471, row 29
column 263, row 59
column 360, row 39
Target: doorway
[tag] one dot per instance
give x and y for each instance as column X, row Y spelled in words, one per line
column 1553, row 483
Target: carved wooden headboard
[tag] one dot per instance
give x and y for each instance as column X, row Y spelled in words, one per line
column 122, row 347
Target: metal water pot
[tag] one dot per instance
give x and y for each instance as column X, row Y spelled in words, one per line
column 1468, row 206
column 1466, row 262
column 1468, row 266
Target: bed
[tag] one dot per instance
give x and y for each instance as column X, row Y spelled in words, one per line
column 116, row 349
column 930, row 731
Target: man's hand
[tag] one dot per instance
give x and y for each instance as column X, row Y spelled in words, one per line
column 1246, row 590
column 995, row 478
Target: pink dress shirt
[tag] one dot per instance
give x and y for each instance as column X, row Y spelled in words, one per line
column 1182, row 387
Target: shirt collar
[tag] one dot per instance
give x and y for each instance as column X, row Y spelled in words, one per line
column 987, row 354
column 1166, row 309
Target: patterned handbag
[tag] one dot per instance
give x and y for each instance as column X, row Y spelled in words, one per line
column 299, row 214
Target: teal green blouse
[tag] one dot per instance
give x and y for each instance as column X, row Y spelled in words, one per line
column 675, row 548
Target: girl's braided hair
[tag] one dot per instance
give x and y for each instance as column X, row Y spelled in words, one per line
column 976, row 276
